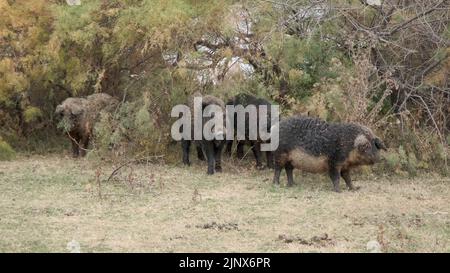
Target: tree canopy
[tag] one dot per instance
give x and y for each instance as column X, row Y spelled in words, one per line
column 382, row 63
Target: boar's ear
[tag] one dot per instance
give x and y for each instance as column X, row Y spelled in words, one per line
column 59, row 109
column 379, row 144
column 362, row 143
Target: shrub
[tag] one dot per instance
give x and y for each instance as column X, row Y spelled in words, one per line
column 6, row 152
column 32, row 114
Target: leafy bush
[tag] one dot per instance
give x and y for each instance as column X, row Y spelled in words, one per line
column 306, row 62
column 314, row 65
column 32, row 114
column 6, row 152
column 131, row 130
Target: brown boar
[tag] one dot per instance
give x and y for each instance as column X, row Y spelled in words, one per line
column 81, row 115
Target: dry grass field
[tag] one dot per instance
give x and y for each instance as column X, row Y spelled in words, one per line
column 46, row 202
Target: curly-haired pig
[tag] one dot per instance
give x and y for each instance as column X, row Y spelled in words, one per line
column 316, row 146
column 82, row 113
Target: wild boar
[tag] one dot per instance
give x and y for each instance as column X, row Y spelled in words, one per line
column 313, row 145
column 246, row 100
column 209, row 149
column 80, row 115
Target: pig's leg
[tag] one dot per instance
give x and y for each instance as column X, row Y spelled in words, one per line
column 84, row 145
column 289, row 172
column 256, row 148
column 200, row 154
column 346, row 176
column 75, row 148
column 276, row 176
column 218, row 156
column 185, row 145
column 229, row 147
column 240, row 149
column 334, row 176
column 269, row 157
column 208, row 148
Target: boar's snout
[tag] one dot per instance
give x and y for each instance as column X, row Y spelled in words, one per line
column 220, row 135
column 59, row 112
column 376, row 157
column 369, row 149
column 219, row 138
column 377, row 146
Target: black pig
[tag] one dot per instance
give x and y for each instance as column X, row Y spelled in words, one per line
column 245, row 100
column 209, row 149
column 315, row 146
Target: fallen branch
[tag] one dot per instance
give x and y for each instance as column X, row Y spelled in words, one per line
column 132, row 161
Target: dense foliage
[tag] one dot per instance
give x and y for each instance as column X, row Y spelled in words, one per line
column 382, row 63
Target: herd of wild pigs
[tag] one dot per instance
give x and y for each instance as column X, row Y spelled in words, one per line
column 305, row 143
